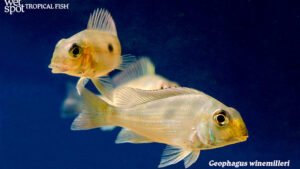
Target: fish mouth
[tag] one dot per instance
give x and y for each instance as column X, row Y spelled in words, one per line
column 57, row 68
column 242, row 138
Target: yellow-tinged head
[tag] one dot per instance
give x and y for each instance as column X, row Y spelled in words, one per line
column 90, row 53
column 93, row 52
column 224, row 126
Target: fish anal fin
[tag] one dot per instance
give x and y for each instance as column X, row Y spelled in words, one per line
column 128, row 136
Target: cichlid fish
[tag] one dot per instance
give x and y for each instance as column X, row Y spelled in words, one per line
column 91, row 53
column 187, row 120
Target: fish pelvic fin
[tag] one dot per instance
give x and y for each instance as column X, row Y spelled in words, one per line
column 81, row 84
column 128, row 136
column 101, row 20
column 94, row 112
column 141, row 67
column 173, row 155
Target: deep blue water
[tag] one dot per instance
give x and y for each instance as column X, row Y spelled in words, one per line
column 244, row 53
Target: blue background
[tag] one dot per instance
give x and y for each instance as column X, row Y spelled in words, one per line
column 244, row 53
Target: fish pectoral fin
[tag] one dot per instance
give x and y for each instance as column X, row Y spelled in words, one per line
column 104, row 85
column 173, row 155
column 128, row 136
column 127, row 60
column 102, row 20
column 141, row 67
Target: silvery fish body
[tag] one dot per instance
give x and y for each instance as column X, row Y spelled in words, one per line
column 185, row 119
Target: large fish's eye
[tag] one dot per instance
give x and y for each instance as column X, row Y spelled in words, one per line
column 75, row 50
column 221, row 118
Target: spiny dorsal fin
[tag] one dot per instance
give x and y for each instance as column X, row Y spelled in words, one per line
column 101, row 19
column 140, row 68
column 127, row 97
column 128, row 136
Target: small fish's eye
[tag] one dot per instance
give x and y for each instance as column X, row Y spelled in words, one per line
column 75, row 50
column 221, row 118
column 110, row 47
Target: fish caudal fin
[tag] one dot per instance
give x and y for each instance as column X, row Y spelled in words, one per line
column 127, row 60
column 94, row 112
column 141, row 67
column 173, row 155
column 128, row 136
column 102, row 20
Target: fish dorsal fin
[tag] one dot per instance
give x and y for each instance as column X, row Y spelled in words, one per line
column 128, row 136
column 128, row 97
column 173, row 155
column 140, row 68
column 101, row 19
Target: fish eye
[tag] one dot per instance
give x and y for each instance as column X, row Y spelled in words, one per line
column 110, row 47
column 75, row 50
column 221, row 118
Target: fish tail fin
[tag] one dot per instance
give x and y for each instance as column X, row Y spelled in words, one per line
column 94, row 112
column 173, row 155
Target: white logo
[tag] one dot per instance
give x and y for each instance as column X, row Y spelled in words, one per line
column 12, row 6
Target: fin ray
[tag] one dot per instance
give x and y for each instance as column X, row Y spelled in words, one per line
column 138, row 96
column 127, row 60
column 172, row 155
column 140, row 68
column 101, row 19
column 191, row 159
column 93, row 112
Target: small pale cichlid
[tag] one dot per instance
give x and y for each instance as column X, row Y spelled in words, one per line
column 92, row 53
